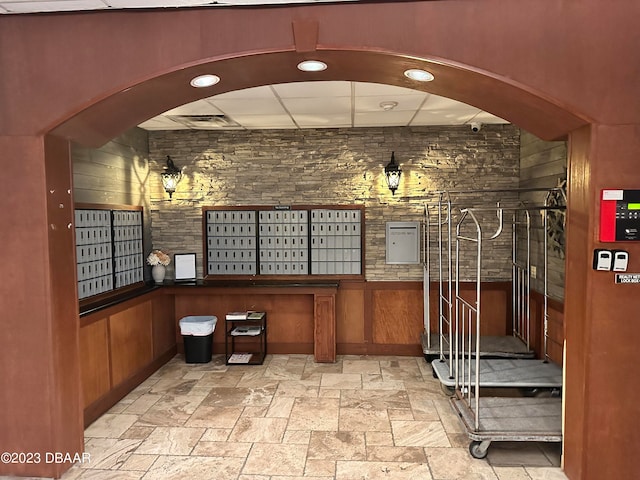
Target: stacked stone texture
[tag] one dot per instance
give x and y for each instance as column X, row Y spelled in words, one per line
column 335, row 167
column 543, row 165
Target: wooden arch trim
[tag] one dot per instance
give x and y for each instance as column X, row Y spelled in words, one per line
column 101, row 121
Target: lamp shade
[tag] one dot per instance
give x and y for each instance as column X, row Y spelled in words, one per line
column 170, row 177
column 392, row 173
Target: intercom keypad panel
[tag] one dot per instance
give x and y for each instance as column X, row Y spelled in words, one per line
column 619, row 215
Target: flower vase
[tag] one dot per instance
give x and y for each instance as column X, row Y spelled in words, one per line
column 158, row 272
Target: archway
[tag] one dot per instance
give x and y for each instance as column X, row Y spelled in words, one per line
column 534, row 73
column 107, row 117
column 104, row 119
column 161, row 93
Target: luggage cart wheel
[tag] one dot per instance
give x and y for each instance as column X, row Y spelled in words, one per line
column 447, row 390
column 479, row 449
column 429, row 357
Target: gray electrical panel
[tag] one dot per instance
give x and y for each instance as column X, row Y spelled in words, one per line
column 403, row 242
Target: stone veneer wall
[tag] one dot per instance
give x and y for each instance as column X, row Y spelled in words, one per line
column 116, row 173
column 330, row 166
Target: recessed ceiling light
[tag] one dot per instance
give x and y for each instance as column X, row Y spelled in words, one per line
column 202, row 81
column 419, row 75
column 312, row 66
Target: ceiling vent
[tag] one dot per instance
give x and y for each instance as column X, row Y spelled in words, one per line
column 205, row 122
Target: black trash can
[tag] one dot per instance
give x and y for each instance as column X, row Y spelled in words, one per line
column 197, row 334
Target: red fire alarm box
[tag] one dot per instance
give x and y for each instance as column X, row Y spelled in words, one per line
column 620, row 215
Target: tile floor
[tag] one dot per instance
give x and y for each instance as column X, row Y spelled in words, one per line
column 292, row 419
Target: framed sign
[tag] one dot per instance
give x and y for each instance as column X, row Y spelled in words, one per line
column 185, row 266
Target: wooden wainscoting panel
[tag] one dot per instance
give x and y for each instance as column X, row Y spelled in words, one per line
column 94, row 361
column 555, row 343
column 434, row 311
column 350, row 314
column 118, row 392
column 397, row 313
column 289, row 316
column 164, row 324
column 535, row 327
column 131, row 341
column 496, row 309
column 495, row 306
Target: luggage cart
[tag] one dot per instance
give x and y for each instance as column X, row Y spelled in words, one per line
column 438, row 344
column 439, row 212
column 521, row 373
column 528, row 374
column 491, row 418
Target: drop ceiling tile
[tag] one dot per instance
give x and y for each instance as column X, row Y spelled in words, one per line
column 264, row 121
column 391, row 118
column 313, row 89
column 161, row 123
column 254, row 92
column 444, row 117
column 485, row 117
column 439, row 103
column 367, row 89
column 249, row 106
column 332, row 120
column 444, row 111
column 200, row 107
column 372, row 103
column 328, row 105
column 318, row 105
column 206, row 122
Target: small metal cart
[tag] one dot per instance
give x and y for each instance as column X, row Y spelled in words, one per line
column 245, row 338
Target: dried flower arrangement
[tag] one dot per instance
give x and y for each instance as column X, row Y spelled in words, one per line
column 158, row 257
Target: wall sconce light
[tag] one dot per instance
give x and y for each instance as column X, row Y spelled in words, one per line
column 170, row 177
column 392, row 172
